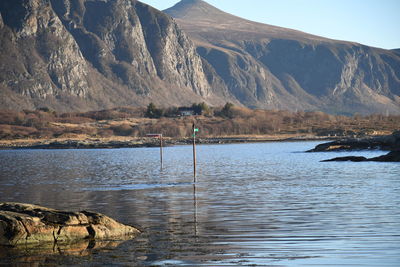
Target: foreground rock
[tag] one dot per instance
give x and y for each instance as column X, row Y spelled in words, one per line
column 25, row 224
column 393, row 156
column 389, row 142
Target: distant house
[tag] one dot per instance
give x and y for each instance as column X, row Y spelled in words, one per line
column 185, row 111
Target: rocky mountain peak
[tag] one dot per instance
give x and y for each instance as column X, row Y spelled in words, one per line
column 195, row 10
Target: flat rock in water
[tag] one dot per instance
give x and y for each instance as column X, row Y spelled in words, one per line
column 393, row 156
column 22, row 224
column 349, row 158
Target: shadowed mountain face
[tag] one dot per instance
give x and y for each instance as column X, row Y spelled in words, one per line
column 92, row 54
column 271, row 67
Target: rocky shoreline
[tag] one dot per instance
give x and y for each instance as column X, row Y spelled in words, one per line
column 146, row 142
column 387, row 143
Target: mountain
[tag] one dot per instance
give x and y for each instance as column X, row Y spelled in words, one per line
column 76, row 55
column 270, row 67
column 397, row 51
column 91, row 54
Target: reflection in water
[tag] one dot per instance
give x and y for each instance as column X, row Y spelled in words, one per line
column 47, row 251
column 252, row 204
column 79, row 248
column 195, row 209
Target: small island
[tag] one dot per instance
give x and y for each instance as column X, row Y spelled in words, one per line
column 387, row 143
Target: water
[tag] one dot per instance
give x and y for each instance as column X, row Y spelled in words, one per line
column 253, row 205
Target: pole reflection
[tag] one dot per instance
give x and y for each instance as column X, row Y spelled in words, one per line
column 195, row 210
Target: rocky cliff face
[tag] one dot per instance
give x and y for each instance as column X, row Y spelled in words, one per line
column 272, row 67
column 89, row 54
column 39, row 57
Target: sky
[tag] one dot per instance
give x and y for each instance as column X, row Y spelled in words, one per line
column 369, row 22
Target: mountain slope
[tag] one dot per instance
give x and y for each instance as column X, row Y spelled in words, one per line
column 272, row 67
column 92, row 54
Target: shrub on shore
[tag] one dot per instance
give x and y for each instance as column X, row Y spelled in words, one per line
column 228, row 120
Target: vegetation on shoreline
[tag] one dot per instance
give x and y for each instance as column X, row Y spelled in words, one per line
column 225, row 121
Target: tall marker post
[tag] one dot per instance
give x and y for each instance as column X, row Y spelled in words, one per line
column 195, row 130
column 161, row 150
column 160, row 136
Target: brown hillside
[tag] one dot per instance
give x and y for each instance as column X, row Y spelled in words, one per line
column 271, row 67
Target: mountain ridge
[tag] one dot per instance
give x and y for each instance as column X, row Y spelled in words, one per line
column 96, row 54
column 270, row 67
column 199, row 11
column 92, row 54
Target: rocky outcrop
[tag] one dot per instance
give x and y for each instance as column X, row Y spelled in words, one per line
column 276, row 68
column 24, row 224
column 389, row 142
column 94, row 54
column 393, row 156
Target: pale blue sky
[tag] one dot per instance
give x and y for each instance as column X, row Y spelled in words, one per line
column 370, row 22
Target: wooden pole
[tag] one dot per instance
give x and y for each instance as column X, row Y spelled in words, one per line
column 161, row 150
column 194, row 153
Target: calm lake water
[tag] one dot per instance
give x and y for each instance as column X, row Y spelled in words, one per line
column 266, row 204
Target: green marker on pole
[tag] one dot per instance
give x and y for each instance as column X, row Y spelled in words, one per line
column 195, row 130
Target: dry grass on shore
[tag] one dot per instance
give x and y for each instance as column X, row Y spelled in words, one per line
column 130, row 123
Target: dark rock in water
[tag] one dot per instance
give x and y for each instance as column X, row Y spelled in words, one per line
column 350, row 158
column 26, row 224
column 341, row 145
column 393, row 156
column 389, row 142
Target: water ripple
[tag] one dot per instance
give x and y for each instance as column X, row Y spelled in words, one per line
column 254, row 204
